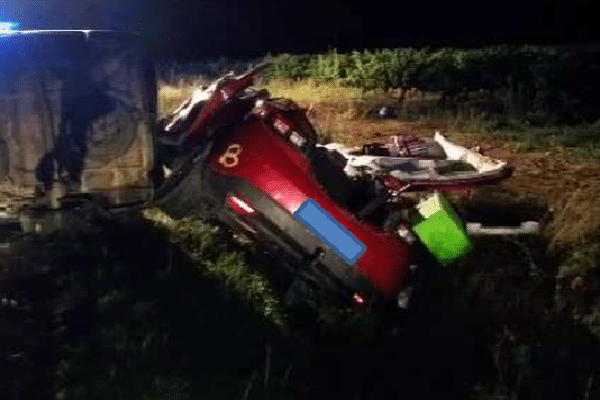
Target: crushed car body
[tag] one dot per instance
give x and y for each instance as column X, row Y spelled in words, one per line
column 417, row 164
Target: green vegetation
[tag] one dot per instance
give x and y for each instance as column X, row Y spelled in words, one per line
column 135, row 316
column 203, row 243
column 539, row 84
column 580, row 141
column 551, row 84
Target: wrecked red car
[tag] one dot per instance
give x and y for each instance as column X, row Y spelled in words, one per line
column 252, row 162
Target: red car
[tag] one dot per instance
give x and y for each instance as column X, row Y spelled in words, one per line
column 251, row 162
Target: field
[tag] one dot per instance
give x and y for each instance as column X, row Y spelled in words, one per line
column 165, row 309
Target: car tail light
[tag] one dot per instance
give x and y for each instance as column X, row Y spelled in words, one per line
column 239, row 206
column 360, row 303
column 358, row 299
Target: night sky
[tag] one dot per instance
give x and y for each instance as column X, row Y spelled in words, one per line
column 186, row 29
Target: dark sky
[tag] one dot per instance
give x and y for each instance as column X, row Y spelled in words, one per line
column 195, row 29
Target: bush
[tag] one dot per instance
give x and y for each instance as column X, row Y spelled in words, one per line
column 558, row 84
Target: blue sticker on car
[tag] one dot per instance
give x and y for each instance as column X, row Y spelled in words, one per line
column 330, row 231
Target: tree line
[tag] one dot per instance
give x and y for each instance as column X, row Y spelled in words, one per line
column 559, row 83
column 554, row 83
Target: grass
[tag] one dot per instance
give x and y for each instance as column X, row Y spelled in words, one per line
column 155, row 315
column 219, row 261
column 169, row 97
column 146, row 320
column 308, row 91
column 581, row 141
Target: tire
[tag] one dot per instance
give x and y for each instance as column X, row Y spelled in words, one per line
column 185, row 199
column 184, row 194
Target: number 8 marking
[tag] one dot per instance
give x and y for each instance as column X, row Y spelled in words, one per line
column 230, row 158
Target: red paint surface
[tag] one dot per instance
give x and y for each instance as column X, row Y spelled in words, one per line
column 269, row 163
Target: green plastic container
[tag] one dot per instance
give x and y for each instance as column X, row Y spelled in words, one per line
column 441, row 229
